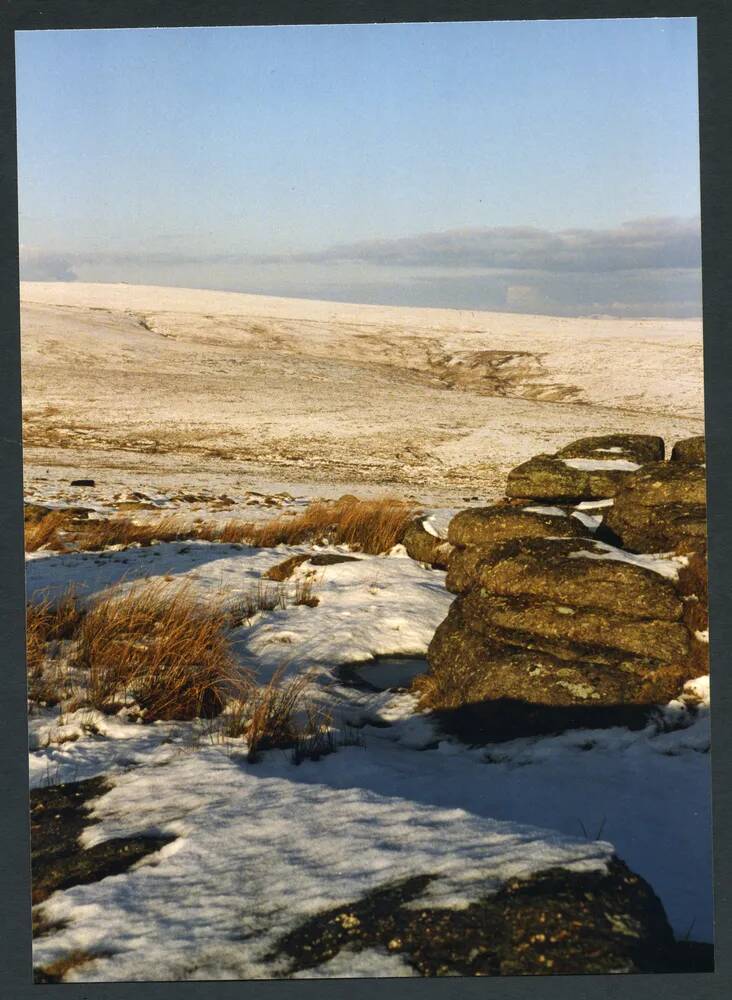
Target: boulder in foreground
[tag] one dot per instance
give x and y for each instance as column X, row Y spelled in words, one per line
column 557, row 922
column 578, row 573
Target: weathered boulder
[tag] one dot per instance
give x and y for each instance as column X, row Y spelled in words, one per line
column 425, row 547
column 640, row 448
column 566, row 480
column 573, row 633
column 555, row 922
column 691, row 450
column 488, row 525
column 554, row 628
column 667, row 483
column 693, row 585
column 579, row 573
column 659, row 506
column 463, row 565
column 662, row 528
column 470, row 672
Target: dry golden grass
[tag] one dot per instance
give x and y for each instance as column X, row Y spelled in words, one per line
column 303, row 593
column 95, row 535
column 280, row 715
column 58, row 530
column 162, row 647
column 49, row 621
column 276, row 596
column 371, row 526
column 261, row 596
column 46, row 531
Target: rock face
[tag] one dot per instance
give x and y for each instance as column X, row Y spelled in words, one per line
column 581, row 573
column 557, row 922
column 553, row 628
column 488, row 526
column 588, row 469
column 425, row 547
column 660, row 506
column 552, row 479
column 640, row 448
column 476, row 532
column 690, row 450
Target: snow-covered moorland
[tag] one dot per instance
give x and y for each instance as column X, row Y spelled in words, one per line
column 205, row 855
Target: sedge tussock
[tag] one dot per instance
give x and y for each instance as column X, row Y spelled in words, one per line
column 162, row 647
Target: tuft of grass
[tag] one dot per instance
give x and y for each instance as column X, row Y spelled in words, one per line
column 261, row 596
column 267, row 718
column 371, row 526
column 165, row 649
column 57, row 530
column 264, row 596
column 303, row 592
column 49, row 621
column 96, row 535
column 46, row 532
column 317, row 738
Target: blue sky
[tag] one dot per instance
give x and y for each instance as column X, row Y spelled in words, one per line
column 539, row 166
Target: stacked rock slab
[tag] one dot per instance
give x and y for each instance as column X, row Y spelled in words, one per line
column 592, row 468
column 551, row 627
column 662, row 508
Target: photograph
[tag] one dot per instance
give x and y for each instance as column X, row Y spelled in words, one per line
column 364, row 500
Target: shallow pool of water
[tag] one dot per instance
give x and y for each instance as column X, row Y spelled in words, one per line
column 387, row 672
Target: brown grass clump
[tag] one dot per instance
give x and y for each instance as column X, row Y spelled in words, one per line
column 95, row 535
column 46, row 532
column 49, row 621
column 267, row 720
column 58, row 530
column 371, row 526
column 167, row 650
column 260, row 597
column 278, row 716
column 263, row 596
column 303, row 593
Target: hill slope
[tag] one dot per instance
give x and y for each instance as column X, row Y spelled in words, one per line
column 176, row 383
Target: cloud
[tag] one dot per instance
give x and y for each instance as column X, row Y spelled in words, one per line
column 646, row 267
column 642, row 243
column 38, row 265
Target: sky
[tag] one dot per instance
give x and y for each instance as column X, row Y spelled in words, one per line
column 535, row 166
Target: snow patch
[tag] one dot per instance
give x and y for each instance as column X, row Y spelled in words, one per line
column 550, row 511
column 664, row 565
column 601, row 464
column 591, row 504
